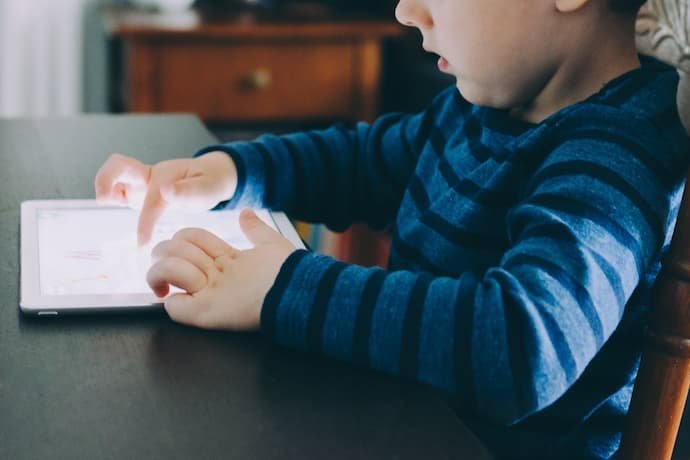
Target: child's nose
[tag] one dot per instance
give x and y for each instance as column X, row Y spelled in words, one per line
column 412, row 13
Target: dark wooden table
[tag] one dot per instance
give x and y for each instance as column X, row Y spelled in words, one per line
column 141, row 386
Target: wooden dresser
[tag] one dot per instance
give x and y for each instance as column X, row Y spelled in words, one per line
column 296, row 65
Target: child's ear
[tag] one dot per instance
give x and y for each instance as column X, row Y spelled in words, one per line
column 569, row 6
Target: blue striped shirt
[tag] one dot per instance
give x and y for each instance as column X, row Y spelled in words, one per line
column 521, row 259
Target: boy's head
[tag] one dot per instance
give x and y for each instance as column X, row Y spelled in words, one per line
column 507, row 53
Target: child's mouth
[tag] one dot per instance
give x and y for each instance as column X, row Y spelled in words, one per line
column 443, row 64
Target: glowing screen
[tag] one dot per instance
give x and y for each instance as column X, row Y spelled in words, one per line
column 95, row 251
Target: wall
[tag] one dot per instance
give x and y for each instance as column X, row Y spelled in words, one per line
column 42, row 58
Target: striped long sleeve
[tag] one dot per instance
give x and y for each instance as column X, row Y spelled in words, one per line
column 336, row 176
column 521, row 261
column 513, row 339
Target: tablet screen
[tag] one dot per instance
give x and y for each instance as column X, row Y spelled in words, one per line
column 95, row 251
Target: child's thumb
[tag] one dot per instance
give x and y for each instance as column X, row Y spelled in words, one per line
column 256, row 230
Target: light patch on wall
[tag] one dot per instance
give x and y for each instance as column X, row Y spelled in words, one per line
column 41, row 57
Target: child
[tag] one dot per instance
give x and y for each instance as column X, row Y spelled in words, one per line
column 529, row 205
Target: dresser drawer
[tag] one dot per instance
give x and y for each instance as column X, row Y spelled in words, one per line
column 252, row 82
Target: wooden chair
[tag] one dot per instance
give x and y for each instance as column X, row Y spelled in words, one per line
column 661, row 388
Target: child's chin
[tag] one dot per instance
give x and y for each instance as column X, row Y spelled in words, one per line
column 481, row 97
column 471, row 94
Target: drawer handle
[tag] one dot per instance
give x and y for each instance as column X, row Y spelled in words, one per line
column 259, row 79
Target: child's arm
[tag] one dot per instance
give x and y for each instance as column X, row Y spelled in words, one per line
column 336, row 176
column 513, row 340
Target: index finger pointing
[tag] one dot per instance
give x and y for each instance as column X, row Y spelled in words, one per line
column 151, row 211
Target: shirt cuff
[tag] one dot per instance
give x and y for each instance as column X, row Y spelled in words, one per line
column 288, row 304
column 250, row 176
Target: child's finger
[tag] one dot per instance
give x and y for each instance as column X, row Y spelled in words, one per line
column 183, row 308
column 207, row 242
column 105, row 187
column 177, row 272
column 151, row 211
column 117, row 195
column 105, row 179
column 185, row 250
column 255, row 229
column 120, row 191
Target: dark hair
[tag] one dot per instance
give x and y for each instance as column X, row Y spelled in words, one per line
column 626, row 6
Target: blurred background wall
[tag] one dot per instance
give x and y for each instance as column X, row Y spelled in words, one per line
column 45, row 47
column 54, row 57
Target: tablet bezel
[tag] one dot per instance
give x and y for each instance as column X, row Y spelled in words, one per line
column 33, row 302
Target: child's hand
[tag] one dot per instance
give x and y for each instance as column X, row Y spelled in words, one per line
column 225, row 288
column 193, row 184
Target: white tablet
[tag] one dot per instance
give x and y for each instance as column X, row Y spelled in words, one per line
column 82, row 256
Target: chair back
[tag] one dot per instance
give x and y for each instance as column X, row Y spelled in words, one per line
column 661, row 389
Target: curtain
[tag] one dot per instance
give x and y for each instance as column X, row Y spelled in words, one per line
column 41, row 44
